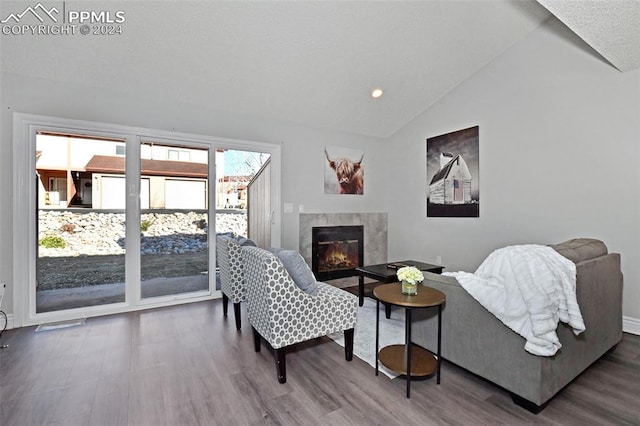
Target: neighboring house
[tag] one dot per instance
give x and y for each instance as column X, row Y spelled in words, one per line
column 235, row 192
column 164, row 184
column 90, row 173
column 80, row 172
column 452, row 183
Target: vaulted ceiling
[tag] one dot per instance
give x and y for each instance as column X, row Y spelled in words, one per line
column 612, row 28
column 312, row 63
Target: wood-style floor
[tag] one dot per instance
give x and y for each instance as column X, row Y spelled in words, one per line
column 185, row 365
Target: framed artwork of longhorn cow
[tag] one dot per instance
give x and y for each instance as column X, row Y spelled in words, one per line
column 343, row 171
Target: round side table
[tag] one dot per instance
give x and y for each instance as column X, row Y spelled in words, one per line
column 409, row 359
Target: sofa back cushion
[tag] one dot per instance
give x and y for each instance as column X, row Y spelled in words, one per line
column 581, row 249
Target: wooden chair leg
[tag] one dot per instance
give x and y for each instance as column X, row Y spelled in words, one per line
column 281, row 365
column 348, row 344
column 225, row 304
column 236, row 311
column 256, row 339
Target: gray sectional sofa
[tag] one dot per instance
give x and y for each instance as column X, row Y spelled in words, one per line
column 475, row 340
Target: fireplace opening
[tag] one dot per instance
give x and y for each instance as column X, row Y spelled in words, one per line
column 336, row 251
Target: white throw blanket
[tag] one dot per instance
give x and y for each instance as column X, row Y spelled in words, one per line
column 529, row 288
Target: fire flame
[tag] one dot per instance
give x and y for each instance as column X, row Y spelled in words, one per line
column 336, row 258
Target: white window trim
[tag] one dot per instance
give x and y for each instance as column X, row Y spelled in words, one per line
column 24, row 209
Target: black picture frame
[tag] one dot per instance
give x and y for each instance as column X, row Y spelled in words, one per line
column 453, row 166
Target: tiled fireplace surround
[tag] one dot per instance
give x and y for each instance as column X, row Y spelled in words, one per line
column 375, row 232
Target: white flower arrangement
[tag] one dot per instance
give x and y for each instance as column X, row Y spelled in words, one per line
column 410, row 274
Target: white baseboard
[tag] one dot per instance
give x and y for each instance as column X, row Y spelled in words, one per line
column 631, row 325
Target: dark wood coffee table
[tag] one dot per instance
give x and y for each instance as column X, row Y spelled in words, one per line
column 409, row 359
column 384, row 274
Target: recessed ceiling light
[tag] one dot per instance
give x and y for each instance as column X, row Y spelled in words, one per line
column 377, row 92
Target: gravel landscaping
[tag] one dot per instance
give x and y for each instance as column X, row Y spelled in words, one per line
column 174, row 245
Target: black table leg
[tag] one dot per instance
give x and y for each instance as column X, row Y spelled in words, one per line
column 407, row 327
column 361, row 290
column 439, row 341
column 377, row 332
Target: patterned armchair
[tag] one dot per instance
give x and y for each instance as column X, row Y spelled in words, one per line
column 229, row 255
column 283, row 314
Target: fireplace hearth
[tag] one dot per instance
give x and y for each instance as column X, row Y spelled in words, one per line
column 336, row 251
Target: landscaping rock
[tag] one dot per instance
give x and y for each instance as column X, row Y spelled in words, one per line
column 102, row 233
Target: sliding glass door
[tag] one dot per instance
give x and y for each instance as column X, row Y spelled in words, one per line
column 110, row 218
column 80, row 221
column 174, row 219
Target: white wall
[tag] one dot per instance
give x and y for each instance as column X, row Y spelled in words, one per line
column 559, row 138
column 302, row 148
column 559, row 130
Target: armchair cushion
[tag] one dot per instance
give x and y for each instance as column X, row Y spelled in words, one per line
column 298, row 269
column 244, row 241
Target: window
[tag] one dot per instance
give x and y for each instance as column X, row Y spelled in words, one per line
column 82, row 175
column 57, row 192
column 178, row 155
